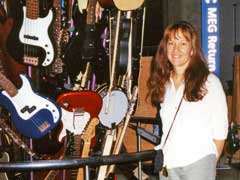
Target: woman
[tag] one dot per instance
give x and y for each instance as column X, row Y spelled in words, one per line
column 179, row 72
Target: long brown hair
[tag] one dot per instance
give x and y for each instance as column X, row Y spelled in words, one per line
column 195, row 74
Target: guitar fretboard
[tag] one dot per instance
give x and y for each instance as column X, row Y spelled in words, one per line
column 76, row 154
column 57, row 64
column 32, row 9
column 7, row 85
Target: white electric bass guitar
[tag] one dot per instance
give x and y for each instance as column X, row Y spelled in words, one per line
column 34, row 34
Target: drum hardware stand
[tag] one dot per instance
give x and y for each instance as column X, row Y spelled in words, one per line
column 151, row 137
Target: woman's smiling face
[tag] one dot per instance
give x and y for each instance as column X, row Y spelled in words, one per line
column 179, row 50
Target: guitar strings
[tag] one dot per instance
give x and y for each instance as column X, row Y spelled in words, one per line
column 35, row 118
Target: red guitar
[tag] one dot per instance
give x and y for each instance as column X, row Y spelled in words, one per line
column 78, row 108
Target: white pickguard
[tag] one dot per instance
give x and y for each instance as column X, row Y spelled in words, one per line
column 73, row 123
column 38, row 28
column 26, row 97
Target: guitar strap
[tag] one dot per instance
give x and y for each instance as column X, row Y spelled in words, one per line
column 173, row 121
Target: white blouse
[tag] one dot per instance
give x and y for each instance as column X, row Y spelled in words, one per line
column 196, row 124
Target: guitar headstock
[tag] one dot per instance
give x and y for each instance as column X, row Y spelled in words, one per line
column 90, row 130
column 91, row 17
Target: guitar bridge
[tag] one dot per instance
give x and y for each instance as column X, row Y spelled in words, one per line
column 31, row 60
column 44, row 126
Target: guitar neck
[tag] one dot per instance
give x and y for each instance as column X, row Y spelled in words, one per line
column 57, row 64
column 53, row 173
column 85, row 152
column 91, row 17
column 7, row 85
column 76, row 154
column 32, row 9
column 87, row 137
column 17, row 139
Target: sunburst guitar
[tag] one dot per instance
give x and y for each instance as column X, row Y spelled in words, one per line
column 32, row 114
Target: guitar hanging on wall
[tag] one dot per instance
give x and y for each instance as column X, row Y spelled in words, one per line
column 30, row 42
column 77, row 108
column 33, row 115
column 85, row 54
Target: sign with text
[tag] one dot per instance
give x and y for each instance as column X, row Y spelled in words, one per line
column 210, row 34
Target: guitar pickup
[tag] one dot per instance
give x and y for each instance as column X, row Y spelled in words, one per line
column 44, row 126
column 31, row 37
column 30, row 60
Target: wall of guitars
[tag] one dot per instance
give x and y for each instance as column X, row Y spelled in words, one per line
column 69, row 80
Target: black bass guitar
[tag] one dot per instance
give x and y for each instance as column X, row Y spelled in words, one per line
column 85, row 54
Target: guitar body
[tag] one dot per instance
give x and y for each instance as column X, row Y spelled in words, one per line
column 125, row 5
column 88, row 102
column 33, row 115
column 30, row 42
column 73, row 52
column 85, row 46
column 76, row 126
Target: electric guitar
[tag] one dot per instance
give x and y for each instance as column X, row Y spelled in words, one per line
column 31, row 43
column 78, row 108
column 87, row 137
column 85, row 54
column 33, row 115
